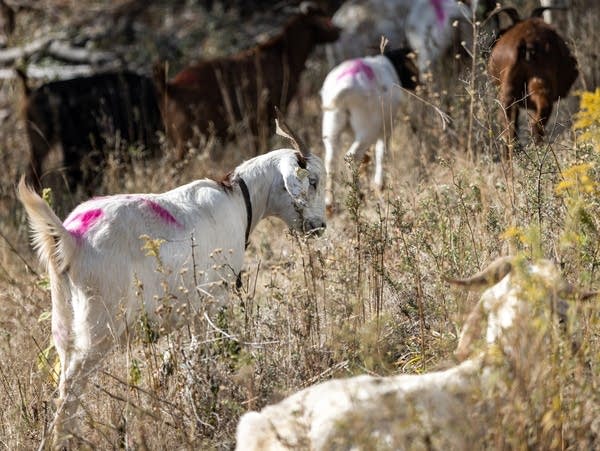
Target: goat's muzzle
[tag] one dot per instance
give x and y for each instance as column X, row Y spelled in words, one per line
column 314, row 227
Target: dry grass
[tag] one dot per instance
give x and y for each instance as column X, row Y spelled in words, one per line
column 366, row 297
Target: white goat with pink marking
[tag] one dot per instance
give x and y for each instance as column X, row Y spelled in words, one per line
column 364, row 94
column 427, row 26
column 430, row 28
column 102, row 280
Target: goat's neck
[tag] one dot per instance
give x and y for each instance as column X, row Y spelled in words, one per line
column 260, row 175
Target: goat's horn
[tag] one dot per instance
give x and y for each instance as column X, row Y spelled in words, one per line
column 537, row 12
column 567, row 289
column 587, row 295
column 283, row 129
column 308, row 7
column 490, row 275
column 512, row 13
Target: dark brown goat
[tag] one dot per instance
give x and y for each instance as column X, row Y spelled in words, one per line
column 533, row 67
column 213, row 95
column 83, row 115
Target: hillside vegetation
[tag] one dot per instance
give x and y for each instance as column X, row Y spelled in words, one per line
column 367, row 297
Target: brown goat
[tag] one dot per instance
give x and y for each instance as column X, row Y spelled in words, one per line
column 213, row 95
column 533, row 67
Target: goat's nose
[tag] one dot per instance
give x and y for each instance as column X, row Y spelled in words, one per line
column 318, row 225
column 315, row 227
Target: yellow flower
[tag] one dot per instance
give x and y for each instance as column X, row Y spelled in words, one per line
column 577, row 177
column 513, row 232
column 588, row 117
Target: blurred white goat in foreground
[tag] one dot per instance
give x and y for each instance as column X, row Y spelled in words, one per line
column 102, row 278
column 438, row 410
column 363, row 94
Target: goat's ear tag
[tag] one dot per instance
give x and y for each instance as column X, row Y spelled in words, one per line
column 301, row 173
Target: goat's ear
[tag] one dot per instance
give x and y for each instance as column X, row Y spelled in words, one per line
column 295, row 179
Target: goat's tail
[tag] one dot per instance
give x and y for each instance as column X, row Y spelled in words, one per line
column 54, row 244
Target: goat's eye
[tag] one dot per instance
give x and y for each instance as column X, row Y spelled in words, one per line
column 313, row 183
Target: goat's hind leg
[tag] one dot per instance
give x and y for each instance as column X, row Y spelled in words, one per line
column 77, row 366
column 540, row 119
column 334, row 122
column 378, row 177
column 366, row 129
column 510, row 116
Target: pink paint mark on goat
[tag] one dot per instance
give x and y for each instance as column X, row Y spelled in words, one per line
column 79, row 223
column 355, row 67
column 162, row 212
column 440, row 14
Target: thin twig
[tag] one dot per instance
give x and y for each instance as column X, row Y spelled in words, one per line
column 444, row 117
column 237, row 340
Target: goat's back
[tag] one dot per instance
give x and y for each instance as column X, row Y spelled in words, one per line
column 358, row 80
column 376, row 410
column 533, row 48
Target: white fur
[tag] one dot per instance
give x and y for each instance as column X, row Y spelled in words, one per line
column 402, row 22
column 426, row 411
column 365, row 412
column 365, row 105
column 363, row 22
column 102, row 280
column 502, row 305
column 429, row 37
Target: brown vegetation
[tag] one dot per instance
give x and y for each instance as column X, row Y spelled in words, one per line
column 366, row 297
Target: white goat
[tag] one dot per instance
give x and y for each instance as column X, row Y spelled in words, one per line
column 416, row 411
column 424, row 25
column 363, row 22
column 364, row 94
column 430, row 31
column 366, row 412
column 102, row 278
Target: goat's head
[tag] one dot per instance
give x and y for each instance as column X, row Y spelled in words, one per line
column 303, row 176
column 403, row 60
column 522, row 294
column 515, row 17
column 323, row 30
